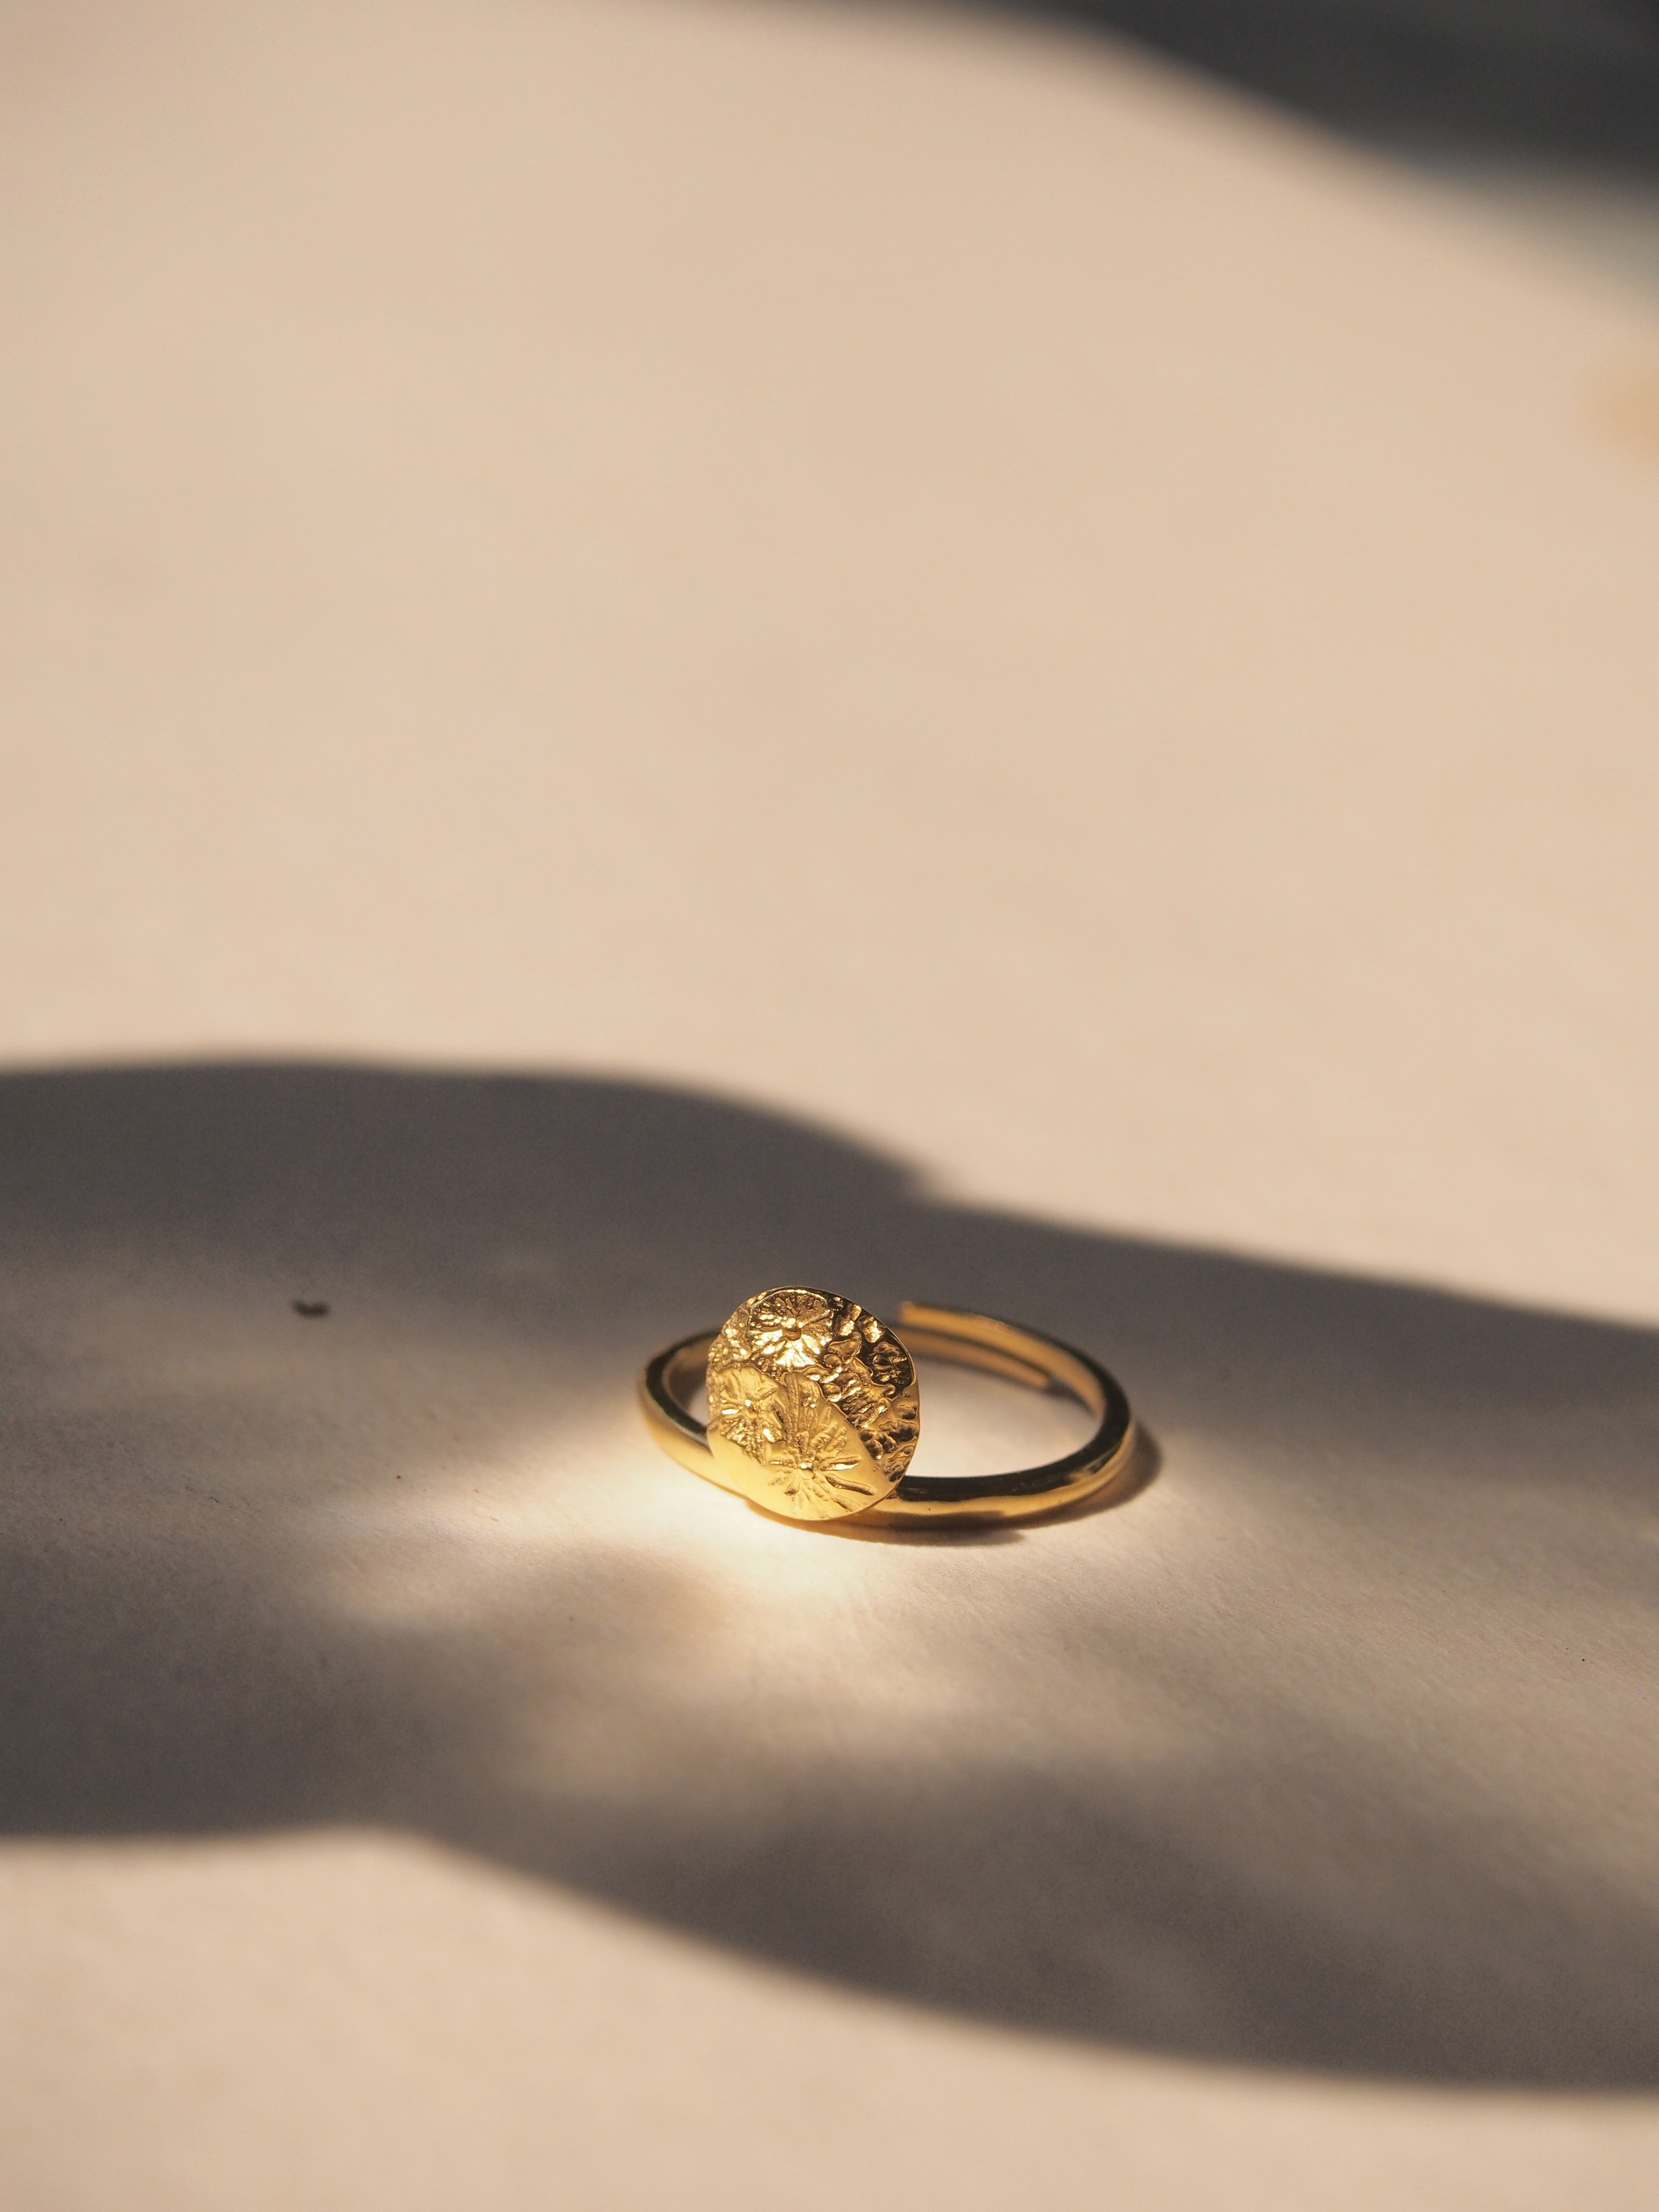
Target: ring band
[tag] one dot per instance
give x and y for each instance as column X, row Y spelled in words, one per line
column 815, row 1411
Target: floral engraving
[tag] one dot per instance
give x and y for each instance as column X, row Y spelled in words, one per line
column 818, row 1396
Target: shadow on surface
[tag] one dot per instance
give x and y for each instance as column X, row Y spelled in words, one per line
column 1568, row 84
column 1333, row 1749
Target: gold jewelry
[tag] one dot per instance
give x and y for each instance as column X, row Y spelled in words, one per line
column 814, row 1412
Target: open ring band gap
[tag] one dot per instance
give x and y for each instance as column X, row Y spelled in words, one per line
column 977, row 1341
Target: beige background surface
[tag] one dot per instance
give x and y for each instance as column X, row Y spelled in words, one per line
column 651, row 648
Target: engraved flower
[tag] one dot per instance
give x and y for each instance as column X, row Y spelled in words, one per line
column 791, row 1327
column 785, row 1425
column 747, row 1406
column 818, row 1458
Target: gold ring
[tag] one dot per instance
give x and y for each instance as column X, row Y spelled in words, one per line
column 814, row 1412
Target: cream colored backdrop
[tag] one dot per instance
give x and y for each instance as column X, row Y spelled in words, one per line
column 946, row 587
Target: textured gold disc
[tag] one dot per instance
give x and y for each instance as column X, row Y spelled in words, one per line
column 813, row 1407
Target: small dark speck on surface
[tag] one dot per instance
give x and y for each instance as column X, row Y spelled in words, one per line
column 311, row 1309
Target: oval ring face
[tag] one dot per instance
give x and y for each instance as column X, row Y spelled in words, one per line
column 813, row 1406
